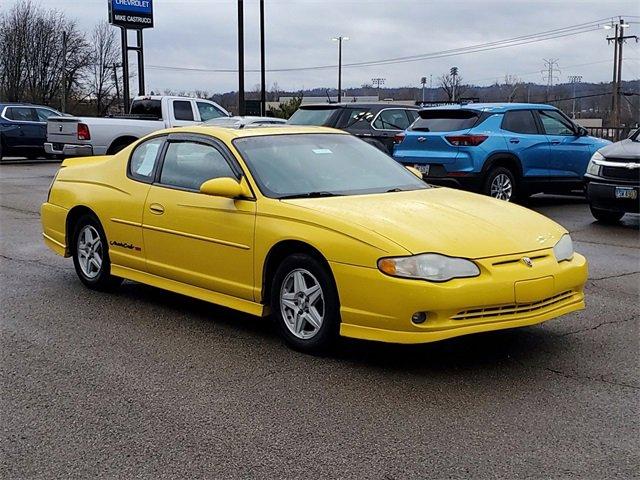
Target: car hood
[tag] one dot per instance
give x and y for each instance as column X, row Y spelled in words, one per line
column 624, row 150
column 442, row 220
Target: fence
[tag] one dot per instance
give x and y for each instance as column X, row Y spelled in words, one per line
column 610, row 133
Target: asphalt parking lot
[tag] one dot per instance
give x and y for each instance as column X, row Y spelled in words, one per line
column 149, row 384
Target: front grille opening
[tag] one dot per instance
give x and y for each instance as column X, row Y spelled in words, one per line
column 504, row 310
column 516, row 260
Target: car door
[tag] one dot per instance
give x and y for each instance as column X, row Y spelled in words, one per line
column 194, row 238
column 569, row 154
column 527, row 142
column 25, row 133
column 388, row 123
column 182, row 112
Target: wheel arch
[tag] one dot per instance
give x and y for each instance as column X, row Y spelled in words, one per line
column 72, row 219
column 503, row 159
column 278, row 253
column 123, row 142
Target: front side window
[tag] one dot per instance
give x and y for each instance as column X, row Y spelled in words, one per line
column 22, row 114
column 520, row 121
column 391, row 120
column 189, row 164
column 208, row 111
column 182, row 110
column 45, row 113
column 555, row 124
column 143, row 160
column 322, row 164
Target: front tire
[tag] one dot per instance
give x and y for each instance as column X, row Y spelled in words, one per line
column 606, row 216
column 305, row 304
column 91, row 255
column 500, row 183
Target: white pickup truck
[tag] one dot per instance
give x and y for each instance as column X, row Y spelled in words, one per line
column 86, row 136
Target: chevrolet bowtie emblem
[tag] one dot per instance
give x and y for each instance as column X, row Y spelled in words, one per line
column 527, row 261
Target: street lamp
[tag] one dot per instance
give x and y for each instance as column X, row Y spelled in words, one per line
column 340, row 39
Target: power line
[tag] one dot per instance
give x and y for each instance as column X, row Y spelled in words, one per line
column 505, row 43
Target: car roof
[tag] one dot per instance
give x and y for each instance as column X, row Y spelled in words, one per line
column 230, row 133
column 359, row 104
column 492, row 107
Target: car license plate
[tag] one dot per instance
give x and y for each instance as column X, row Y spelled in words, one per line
column 624, row 192
column 423, row 169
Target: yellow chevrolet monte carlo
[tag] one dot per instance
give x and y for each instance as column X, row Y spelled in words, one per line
column 318, row 228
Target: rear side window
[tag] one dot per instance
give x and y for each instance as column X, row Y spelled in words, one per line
column 22, row 114
column 520, row 121
column 391, row 119
column 413, row 115
column 148, row 107
column 45, row 113
column 445, row 120
column 143, row 160
column 351, row 116
column 311, row 116
column 182, row 110
column 188, row 165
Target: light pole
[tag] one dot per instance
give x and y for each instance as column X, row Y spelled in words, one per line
column 573, row 79
column 423, row 81
column 454, row 81
column 340, row 39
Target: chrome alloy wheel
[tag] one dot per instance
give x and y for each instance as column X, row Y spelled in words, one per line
column 302, row 303
column 90, row 252
column 501, row 187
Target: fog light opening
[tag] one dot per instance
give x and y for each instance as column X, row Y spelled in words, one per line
column 419, row 317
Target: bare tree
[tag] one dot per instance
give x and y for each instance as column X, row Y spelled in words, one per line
column 451, row 84
column 102, row 78
column 32, row 60
column 510, row 88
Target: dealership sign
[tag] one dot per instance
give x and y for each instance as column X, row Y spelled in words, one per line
column 131, row 13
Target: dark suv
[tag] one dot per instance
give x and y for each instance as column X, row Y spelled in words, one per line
column 375, row 123
column 23, row 129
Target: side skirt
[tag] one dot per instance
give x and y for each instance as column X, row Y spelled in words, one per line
column 221, row 299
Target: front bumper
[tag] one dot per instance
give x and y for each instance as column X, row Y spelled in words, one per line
column 507, row 294
column 68, row 150
column 601, row 194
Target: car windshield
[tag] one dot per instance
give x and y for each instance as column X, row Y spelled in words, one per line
column 311, row 116
column 322, row 164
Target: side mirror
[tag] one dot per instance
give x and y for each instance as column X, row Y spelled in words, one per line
column 415, row 171
column 225, row 187
column 583, row 132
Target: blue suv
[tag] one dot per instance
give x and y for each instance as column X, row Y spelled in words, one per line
column 507, row 151
column 23, row 129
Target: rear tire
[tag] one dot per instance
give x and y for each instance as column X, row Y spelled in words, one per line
column 606, row 216
column 305, row 304
column 91, row 255
column 119, row 145
column 500, row 183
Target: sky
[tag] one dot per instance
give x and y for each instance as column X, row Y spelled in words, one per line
column 202, row 34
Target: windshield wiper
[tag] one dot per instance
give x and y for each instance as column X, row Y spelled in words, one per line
column 310, row 195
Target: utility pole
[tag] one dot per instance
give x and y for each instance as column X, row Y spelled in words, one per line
column 263, row 81
column 551, row 71
column 65, row 39
column 454, row 82
column 431, row 87
column 423, row 81
column 241, row 106
column 378, row 82
column 574, row 79
column 618, row 40
column 115, row 79
column 340, row 39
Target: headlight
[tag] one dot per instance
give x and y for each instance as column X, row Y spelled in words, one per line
column 429, row 266
column 593, row 168
column 563, row 250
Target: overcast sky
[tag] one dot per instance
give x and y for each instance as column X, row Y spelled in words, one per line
column 202, row 34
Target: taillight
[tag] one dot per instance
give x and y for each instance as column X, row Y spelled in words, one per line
column 398, row 138
column 466, row 140
column 83, row 132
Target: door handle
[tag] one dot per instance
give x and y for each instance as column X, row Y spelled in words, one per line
column 156, row 208
column 514, row 140
column 555, row 142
